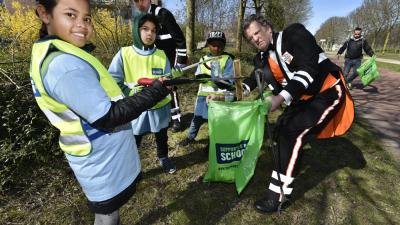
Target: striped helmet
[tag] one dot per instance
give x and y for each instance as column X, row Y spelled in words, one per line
column 216, row 35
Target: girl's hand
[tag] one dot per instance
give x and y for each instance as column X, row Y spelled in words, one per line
column 214, row 98
column 163, row 79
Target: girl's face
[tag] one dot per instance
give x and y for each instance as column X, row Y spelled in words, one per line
column 148, row 33
column 70, row 20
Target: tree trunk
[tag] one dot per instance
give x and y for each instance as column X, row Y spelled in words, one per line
column 386, row 40
column 190, row 12
column 374, row 40
column 258, row 6
column 239, row 31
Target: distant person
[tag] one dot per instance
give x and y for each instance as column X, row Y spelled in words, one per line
column 170, row 38
column 216, row 44
column 353, row 56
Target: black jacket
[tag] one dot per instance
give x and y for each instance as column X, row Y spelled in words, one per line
column 170, row 37
column 305, row 62
column 354, row 48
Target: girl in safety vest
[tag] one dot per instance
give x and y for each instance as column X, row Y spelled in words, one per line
column 144, row 60
column 80, row 98
column 224, row 65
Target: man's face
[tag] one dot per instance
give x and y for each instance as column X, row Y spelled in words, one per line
column 142, row 5
column 357, row 34
column 260, row 36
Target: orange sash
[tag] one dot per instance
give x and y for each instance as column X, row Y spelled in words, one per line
column 343, row 119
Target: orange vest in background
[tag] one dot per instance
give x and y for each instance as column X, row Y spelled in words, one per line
column 343, row 119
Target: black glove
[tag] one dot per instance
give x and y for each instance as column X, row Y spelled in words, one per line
column 130, row 108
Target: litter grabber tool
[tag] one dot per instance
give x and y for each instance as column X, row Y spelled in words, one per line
column 178, row 81
column 201, row 62
column 176, row 72
column 260, row 84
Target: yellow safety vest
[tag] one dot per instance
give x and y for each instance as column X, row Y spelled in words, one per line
column 138, row 66
column 73, row 139
column 210, row 87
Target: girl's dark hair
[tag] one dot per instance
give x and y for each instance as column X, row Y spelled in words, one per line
column 258, row 18
column 151, row 18
column 49, row 6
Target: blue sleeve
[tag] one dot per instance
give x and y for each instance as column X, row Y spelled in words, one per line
column 167, row 67
column 73, row 82
column 228, row 70
column 116, row 68
column 197, row 70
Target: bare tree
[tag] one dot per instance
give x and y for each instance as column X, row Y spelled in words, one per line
column 190, row 15
column 374, row 18
column 285, row 12
column 242, row 8
column 257, row 5
column 391, row 14
column 333, row 31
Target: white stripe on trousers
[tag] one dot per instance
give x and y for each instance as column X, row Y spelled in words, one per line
column 299, row 139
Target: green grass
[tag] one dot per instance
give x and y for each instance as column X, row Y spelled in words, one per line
column 388, row 55
column 389, row 66
column 345, row 180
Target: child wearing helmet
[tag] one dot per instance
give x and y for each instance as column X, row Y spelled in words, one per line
column 216, row 44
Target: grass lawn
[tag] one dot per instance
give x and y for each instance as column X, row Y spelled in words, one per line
column 345, row 180
column 388, row 56
column 388, row 66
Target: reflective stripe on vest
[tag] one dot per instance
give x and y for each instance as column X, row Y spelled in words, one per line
column 73, row 139
column 210, row 87
column 138, row 66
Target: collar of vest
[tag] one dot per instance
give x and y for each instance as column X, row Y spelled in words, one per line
column 88, row 47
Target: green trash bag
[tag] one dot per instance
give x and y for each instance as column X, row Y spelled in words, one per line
column 236, row 131
column 368, row 71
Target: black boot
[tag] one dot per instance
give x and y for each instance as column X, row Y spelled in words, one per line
column 270, row 203
column 176, row 126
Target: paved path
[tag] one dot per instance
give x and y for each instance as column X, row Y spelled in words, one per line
column 379, row 103
column 379, row 59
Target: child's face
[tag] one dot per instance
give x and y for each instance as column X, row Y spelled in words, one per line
column 148, row 33
column 216, row 47
column 71, row 21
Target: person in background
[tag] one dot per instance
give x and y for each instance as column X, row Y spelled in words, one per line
column 353, row 57
column 216, row 44
column 80, row 98
column 144, row 60
column 170, row 38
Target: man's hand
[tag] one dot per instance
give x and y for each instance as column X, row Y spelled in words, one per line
column 276, row 101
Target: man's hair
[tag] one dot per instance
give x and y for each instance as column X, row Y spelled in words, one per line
column 256, row 18
column 357, row 29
